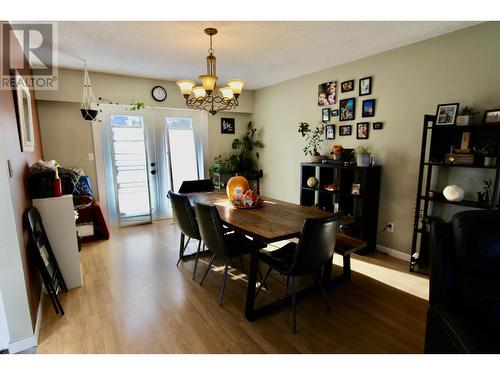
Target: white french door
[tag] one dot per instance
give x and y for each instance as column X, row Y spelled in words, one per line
column 146, row 154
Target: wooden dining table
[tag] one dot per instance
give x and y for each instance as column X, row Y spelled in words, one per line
column 275, row 221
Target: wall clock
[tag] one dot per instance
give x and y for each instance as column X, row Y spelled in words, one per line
column 159, row 93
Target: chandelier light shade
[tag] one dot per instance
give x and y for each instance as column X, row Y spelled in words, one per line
column 206, row 97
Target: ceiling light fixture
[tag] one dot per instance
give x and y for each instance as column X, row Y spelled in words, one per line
column 205, row 96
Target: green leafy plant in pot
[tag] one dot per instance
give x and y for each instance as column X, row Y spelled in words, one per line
column 466, row 116
column 363, row 154
column 247, row 159
column 314, row 138
column 490, row 153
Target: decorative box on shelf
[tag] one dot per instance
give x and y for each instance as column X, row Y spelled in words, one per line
column 459, row 158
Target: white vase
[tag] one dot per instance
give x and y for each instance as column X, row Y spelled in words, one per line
column 463, row 120
column 490, row 161
column 316, row 158
column 363, row 160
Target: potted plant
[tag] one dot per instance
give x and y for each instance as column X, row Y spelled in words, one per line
column 466, row 116
column 245, row 160
column 337, row 152
column 363, row 154
column 489, row 152
column 314, row 138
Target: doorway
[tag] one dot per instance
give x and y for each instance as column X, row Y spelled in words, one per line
column 146, row 153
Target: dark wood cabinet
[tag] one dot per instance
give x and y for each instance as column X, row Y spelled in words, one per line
column 362, row 208
column 436, row 170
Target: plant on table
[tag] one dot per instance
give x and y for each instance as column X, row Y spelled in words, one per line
column 314, row 137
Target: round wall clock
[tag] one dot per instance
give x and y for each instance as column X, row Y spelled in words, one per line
column 159, row 93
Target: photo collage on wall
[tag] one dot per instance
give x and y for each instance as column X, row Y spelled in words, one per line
column 328, row 95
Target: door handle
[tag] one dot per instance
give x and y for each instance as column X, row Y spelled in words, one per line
column 153, row 172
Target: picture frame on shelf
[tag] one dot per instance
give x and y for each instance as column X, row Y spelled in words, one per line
column 365, row 86
column 356, row 189
column 330, row 131
column 327, row 93
column 378, row 125
column 325, row 114
column 345, row 130
column 227, row 125
column 347, row 109
column 446, row 114
column 491, row 116
column 335, row 113
column 24, row 114
column 368, row 108
column 362, row 130
column 347, row 86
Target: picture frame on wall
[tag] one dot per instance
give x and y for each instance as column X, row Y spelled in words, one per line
column 362, row 130
column 227, row 125
column 368, row 108
column 378, row 126
column 24, row 114
column 325, row 114
column 327, row 93
column 492, row 116
column 446, row 114
column 365, row 86
column 330, row 131
column 347, row 86
column 335, row 112
column 347, row 109
column 345, row 130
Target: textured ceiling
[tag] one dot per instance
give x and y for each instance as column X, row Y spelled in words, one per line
column 261, row 53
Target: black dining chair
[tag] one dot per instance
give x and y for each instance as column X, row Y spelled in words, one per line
column 43, row 256
column 227, row 246
column 196, row 186
column 314, row 249
column 184, row 216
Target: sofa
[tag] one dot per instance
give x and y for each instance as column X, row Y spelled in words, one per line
column 464, row 301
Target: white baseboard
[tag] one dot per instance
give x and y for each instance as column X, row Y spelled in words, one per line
column 23, row 344
column 394, row 253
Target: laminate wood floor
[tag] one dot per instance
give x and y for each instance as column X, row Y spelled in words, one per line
column 135, row 300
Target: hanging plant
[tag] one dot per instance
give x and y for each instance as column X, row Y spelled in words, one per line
column 88, row 99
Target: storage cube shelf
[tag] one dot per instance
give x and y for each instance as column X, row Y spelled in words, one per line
column 363, row 208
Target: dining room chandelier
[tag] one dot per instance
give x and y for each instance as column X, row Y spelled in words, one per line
column 205, row 96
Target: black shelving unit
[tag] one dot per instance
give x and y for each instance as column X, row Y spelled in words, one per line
column 362, row 208
column 436, row 143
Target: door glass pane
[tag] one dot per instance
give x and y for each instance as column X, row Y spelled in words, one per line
column 182, row 150
column 130, row 164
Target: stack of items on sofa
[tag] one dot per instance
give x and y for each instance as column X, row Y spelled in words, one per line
column 90, row 221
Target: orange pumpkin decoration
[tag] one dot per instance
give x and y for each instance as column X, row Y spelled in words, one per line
column 236, row 182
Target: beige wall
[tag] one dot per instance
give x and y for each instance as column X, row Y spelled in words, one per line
column 68, row 139
column 408, row 82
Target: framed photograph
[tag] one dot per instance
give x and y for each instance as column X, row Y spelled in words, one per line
column 327, row 93
column 325, row 114
column 356, row 189
column 378, row 126
column 335, row 112
column 446, row 114
column 227, row 125
column 330, row 131
column 368, row 108
column 365, row 86
column 347, row 109
column 492, row 116
column 345, row 129
column 347, row 86
column 362, row 129
column 24, row 114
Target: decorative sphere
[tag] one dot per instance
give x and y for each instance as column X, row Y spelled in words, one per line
column 234, row 183
column 312, row 182
column 453, row 193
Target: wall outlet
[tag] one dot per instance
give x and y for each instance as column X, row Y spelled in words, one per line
column 390, row 227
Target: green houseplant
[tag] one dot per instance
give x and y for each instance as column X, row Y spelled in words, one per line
column 248, row 156
column 489, row 152
column 314, row 138
column 363, row 154
column 466, row 116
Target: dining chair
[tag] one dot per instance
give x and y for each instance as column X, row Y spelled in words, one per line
column 43, row 256
column 314, row 249
column 227, row 246
column 196, row 186
column 184, row 216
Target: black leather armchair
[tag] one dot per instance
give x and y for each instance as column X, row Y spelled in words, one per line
column 464, row 311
